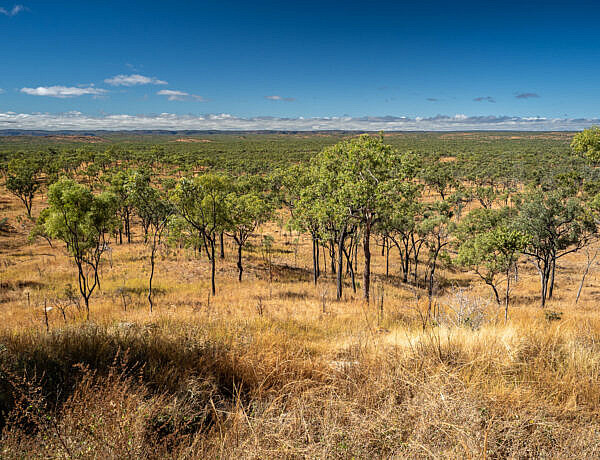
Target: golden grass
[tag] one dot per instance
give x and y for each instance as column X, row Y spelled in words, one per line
column 265, row 370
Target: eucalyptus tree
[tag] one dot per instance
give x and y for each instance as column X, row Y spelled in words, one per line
column 400, row 224
column 23, row 180
column 361, row 169
column 587, row 143
column 307, row 218
column 556, row 225
column 436, row 228
column 246, row 209
column 287, row 184
column 322, row 202
column 490, row 245
column 439, row 176
column 201, row 201
column 152, row 207
column 135, row 184
column 81, row 220
column 116, row 185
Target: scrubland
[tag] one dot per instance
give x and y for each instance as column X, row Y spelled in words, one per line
column 279, row 369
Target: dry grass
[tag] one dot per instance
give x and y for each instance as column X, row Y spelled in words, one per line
column 267, row 371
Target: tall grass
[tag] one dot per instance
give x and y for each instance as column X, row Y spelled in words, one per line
column 282, row 370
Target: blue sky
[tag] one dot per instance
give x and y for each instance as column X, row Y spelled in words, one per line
column 299, row 64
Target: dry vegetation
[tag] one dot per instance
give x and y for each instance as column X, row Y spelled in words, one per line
column 281, row 370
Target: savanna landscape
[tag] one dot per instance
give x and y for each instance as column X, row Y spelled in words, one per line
column 300, row 295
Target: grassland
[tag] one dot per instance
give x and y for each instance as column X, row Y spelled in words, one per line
column 280, row 369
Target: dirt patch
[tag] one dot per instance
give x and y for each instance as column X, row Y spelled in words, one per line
column 191, row 140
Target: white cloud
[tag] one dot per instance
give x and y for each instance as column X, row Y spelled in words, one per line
column 13, row 11
column 225, row 122
column 179, row 95
column 63, row 91
column 133, row 80
column 280, row 98
column 1, row 91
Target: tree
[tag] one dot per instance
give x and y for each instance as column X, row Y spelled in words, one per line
column 361, row 169
column 400, row 223
column 307, row 218
column 587, row 143
column 325, row 212
column 435, row 228
column 201, row 202
column 556, row 224
column 440, row 177
column 287, row 184
column 490, row 245
column 138, row 183
column 245, row 211
column 23, row 180
column 116, row 186
column 153, row 208
column 81, row 220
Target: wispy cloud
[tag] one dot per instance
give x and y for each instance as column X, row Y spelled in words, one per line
column 280, row 98
column 227, row 122
column 485, row 99
column 133, row 67
column 1, row 91
column 63, row 91
column 526, row 95
column 432, row 99
column 13, row 11
column 133, row 80
column 173, row 95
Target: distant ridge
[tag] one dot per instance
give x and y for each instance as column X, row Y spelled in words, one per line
column 100, row 132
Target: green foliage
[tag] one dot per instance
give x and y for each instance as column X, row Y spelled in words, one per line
column 81, row 220
column 489, row 244
column 556, row 224
column 554, row 221
column 247, row 207
column 149, row 203
column 23, row 181
column 587, row 143
column 77, row 216
column 201, row 201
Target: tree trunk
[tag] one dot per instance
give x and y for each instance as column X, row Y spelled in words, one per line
column 222, row 243
column 496, row 295
column 387, row 259
column 507, row 294
column 340, row 263
column 151, row 276
column 128, row 227
column 349, row 262
column 402, row 266
column 318, row 257
column 544, row 285
column 315, row 257
column 86, row 299
column 367, row 269
column 212, row 265
column 581, row 285
column 332, row 256
column 551, row 288
column 239, row 262
column 356, row 255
